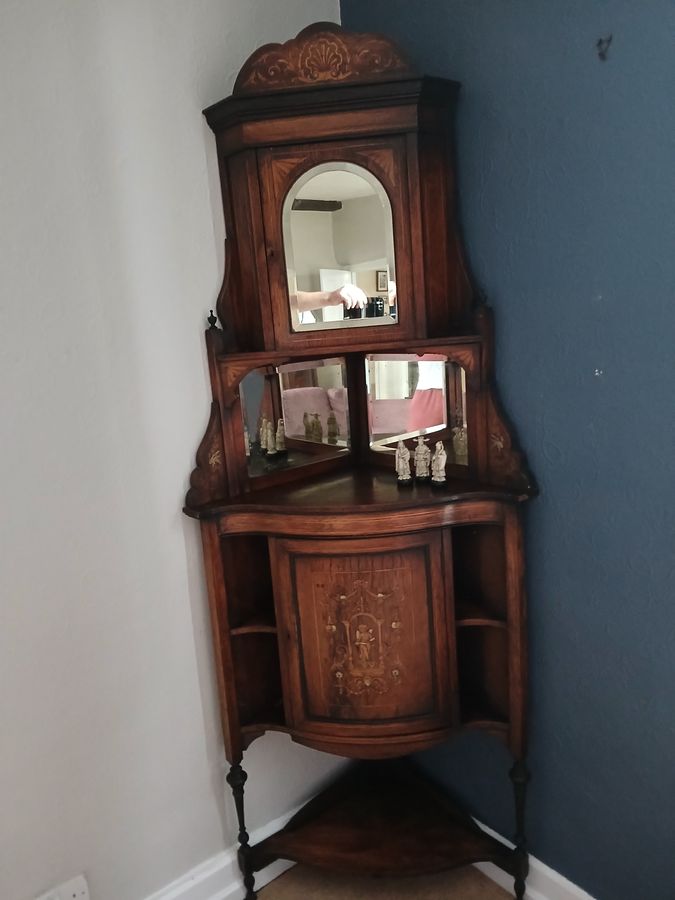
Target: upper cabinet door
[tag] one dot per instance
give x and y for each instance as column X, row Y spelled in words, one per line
column 338, row 236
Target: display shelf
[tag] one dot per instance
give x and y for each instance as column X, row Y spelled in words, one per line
column 482, row 660
column 356, row 825
column 257, row 677
column 254, row 625
column 271, row 719
column 468, row 614
column 365, row 488
column 479, row 564
column 248, row 580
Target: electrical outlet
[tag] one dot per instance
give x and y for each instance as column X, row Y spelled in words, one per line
column 75, row 889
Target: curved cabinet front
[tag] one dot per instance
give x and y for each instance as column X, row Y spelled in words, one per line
column 366, row 641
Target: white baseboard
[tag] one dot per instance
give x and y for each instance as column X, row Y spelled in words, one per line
column 219, row 878
column 543, row 883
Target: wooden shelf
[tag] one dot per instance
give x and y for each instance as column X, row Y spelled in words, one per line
column 266, row 720
column 254, row 625
column 357, row 825
column 354, row 489
column 469, row 614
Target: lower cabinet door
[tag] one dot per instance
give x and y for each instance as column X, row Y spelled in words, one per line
column 366, row 642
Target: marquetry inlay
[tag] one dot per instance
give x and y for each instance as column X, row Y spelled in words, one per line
column 320, row 54
column 364, row 632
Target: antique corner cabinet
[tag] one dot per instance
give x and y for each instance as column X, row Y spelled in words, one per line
column 363, row 618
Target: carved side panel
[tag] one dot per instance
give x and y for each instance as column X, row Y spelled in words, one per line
column 208, row 481
column 366, row 628
column 319, row 54
column 506, row 462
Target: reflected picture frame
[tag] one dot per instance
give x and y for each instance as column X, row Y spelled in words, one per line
column 382, row 280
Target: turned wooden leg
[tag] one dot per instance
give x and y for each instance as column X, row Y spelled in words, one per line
column 520, row 776
column 236, row 778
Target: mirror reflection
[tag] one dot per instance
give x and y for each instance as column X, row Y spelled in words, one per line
column 294, row 415
column 410, row 395
column 314, row 403
column 339, row 249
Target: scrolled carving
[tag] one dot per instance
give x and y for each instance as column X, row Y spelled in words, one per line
column 208, row 481
column 506, row 462
column 322, row 53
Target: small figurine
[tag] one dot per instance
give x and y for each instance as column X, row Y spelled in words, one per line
column 307, row 422
column 280, row 437
column 263, row 435
column 333, row 428
column 422, row 459
column 438, row 462
column 403, row 465
column 317, row 429
column 271, row 442
column 247, row 441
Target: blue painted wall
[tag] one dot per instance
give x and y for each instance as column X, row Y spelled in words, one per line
column 567, row 176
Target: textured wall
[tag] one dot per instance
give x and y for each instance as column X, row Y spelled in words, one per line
column 567, row 175
column 111, row 253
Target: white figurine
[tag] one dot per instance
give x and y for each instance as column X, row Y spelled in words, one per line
column 403, row 464
column 438, row 465
column 247, row 441
column 280, row 437
column 263, row 435
column 271, row 442
column 422, row 459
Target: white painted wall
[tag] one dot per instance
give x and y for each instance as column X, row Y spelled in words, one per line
column 361, row 231
column 111, row 236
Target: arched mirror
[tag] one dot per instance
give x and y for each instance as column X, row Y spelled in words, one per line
column 339, row 249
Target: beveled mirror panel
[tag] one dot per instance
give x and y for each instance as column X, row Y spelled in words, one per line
column 315, row 404
column 411, row 395
column 339, row 249
column 294, row 415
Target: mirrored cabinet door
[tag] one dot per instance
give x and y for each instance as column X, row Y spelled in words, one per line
column 338, row 243
column 339, row 249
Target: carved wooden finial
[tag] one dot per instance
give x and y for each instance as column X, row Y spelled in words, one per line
column 323, row 53
column 212, row 320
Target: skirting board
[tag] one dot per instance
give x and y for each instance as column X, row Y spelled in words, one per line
column 543, row 883
column 219, row 879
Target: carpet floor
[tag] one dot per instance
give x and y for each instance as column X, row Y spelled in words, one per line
column 302, row 883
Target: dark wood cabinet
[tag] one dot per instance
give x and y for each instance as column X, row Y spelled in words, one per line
column 364, row 617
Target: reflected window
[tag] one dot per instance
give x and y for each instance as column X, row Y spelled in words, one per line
column 411, row 395
column 339, row 249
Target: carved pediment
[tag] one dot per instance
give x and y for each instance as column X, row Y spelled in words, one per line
column 321, row 54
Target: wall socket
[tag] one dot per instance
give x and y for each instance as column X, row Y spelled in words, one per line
column 75, row 889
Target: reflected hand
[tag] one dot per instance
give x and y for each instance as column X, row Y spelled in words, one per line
column 350, row 296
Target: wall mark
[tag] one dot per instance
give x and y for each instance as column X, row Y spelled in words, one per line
column 602, row 45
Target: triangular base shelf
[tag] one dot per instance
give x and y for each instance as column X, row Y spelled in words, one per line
column 382, row 818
